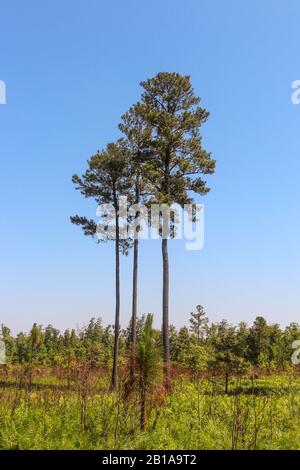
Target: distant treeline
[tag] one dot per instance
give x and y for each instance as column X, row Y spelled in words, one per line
column 198, row 346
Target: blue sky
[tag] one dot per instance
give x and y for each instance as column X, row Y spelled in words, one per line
column 71, row 69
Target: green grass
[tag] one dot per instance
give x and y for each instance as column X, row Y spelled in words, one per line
column 259, row 414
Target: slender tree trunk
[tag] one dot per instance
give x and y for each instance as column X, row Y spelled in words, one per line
column 143, row 388
column 226, row 382
column 165, row 319
column 114, row 379
column 134, row 309
column 143, row 410
column 134, row 290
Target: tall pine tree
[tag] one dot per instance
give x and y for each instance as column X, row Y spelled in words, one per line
column 171, row 111
column 105, row 180
column 137, row 142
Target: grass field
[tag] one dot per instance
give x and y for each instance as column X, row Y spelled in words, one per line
column 49, row 413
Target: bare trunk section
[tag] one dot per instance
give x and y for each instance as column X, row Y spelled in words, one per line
column 134, row 308
column 134, row 292
column 114, row 379
column 226, row 382
column 165, row 319
column 143, row 410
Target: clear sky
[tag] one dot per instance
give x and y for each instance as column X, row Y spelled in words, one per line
column 71, row 69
